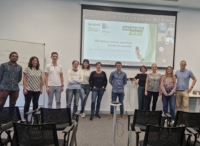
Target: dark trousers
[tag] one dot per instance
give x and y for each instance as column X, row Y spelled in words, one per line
column 155, row 98
column 31, row 95
column 97, row 94
column 4, row 95
column 121, row 100
column 141, row 98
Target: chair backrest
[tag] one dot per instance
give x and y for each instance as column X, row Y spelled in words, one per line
column 188, row 119
column 35, row 135
column 164, row 136
column 9, row 114
column 57, row 116
column 147, row 117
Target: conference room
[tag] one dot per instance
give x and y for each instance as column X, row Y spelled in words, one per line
column 115, row 38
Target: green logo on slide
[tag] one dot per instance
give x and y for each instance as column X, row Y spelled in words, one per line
column 136, row 31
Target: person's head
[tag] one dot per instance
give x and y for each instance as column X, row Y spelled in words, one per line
column 98, row 65
column 143, row 69
column 75, row 64
column 54, row 56
column 154, row 67
column 183, row 64
column 118, row 65
column 162, row 39
column 13, row 57
column 34, row 62
column 169, row 73
column 86, row 64
column 137, row 48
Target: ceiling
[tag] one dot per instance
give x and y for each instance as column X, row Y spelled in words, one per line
column 195, row 4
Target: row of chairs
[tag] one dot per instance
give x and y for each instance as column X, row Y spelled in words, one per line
column 152, row 123
column 39, row 128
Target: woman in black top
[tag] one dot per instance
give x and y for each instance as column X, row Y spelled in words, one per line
column 98, row 82
column 141, row 89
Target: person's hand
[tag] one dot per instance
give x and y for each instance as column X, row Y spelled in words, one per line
column 103, row 87
column 165, row 94
column 94, row 87
column 146, row 93
column 136, row 82
column 25, row 91
column 41, row 91
column 48, row 90
column 189, row 90
column 62, row 89
column 160, row 93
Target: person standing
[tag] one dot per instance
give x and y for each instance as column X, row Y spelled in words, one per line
column 98, row 82
column 33, row 83
column 54, row 80
column 141, row 89
column 182, row 88
column 85, row 86
column 152, row 87
column 168, row 86
column 10, row 76
column 118, row 80
column 74, row 86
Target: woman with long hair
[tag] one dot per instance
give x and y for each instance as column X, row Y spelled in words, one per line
column 33, row 83
column 168, row 86
column 152, row 87
column 85, row 86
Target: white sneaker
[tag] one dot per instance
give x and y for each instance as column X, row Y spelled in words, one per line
column 83, row 115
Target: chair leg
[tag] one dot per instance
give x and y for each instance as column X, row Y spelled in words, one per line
column 195, row 139
column 75, row 142
column 137, row 139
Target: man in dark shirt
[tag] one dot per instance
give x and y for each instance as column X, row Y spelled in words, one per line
column 117, row 80
column 10, row 76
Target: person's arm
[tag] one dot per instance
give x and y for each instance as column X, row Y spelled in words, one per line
column 160, row 89
column 41, row 83
column 111, row 79
column 24, row 83
column 193, row 83
column 146, row 85
column 105, row 80
column 1, row 73
column 163, row 86
column 62, row 81
column 136, row 79
column 46, row 82
column 20, row 75
column 125, row 79
column 91, row 80
column 174, row 89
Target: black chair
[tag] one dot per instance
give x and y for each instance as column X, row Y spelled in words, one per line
column 142, row 118
column 162, row 136
column 191, row 122
column 7, row 115
column 42, row 135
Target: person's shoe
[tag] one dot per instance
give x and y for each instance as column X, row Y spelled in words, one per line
column 83, row 115
column 123, row 116
column 91, row 117
column 111, row 116
column 97, row 115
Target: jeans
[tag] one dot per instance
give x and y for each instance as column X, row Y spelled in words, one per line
column 141, row 98
column 97, row 93
column 121, row 99
column 69, row 96
column 57, row 91
column 85, row 90
column 155, row 98
column 171, row 101
column 31, row 95
column 4, row 95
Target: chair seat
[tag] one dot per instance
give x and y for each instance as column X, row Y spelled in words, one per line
column 61, row 126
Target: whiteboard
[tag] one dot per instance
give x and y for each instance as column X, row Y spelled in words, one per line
column 25, row 51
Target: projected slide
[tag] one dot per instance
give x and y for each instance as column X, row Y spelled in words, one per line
column 108, row 38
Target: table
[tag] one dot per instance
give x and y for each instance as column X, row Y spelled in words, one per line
column 196, row 108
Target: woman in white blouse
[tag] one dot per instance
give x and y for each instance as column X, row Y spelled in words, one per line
column 33, row 83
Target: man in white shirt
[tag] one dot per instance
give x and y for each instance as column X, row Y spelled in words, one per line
column 54, row 80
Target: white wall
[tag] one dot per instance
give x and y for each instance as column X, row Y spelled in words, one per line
column 57, row 24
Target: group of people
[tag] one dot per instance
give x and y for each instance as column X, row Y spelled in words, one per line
column 82, row 81
column 174, row 88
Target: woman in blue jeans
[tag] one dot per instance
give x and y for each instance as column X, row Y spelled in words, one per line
column 168, row 86
column 98, row 82
column 85, row 86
